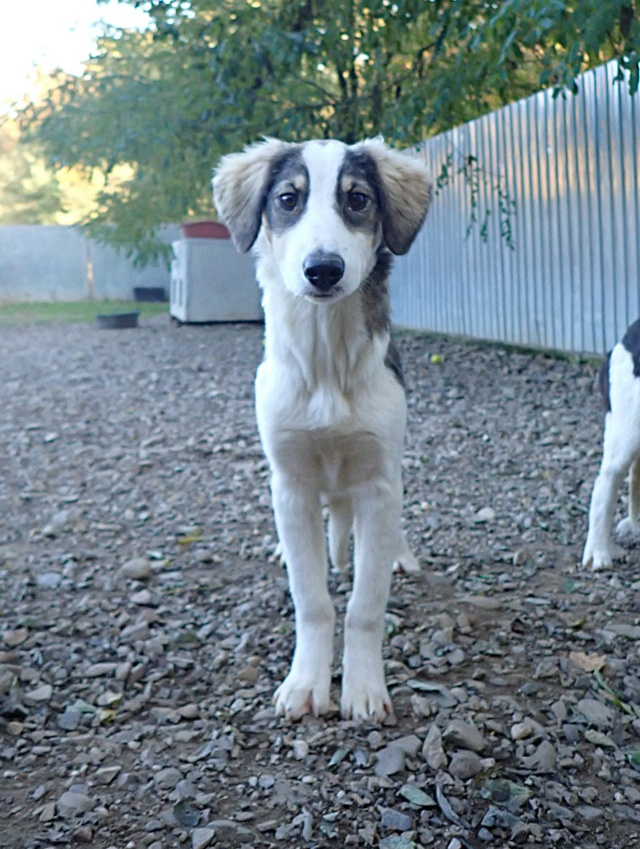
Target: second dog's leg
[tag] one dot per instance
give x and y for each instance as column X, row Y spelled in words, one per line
column 301, row 532
column 377, row 530
column 617, row 454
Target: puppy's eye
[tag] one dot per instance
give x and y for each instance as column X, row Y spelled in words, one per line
column 288, row 200
column 357, row 201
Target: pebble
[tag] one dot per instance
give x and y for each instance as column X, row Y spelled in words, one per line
column 389, row 761
column 48, row 812
column 486, row 514
column 74, row 802
column 595, row 712
column 41, row 694
column 202, row 837
column 106, row 774
column 48, row 580
column 167, row 777
column 15, row 637
column 395, row 820
column 138, row 569
column 542, row 760
column 432, row 749
column 69, row 720
column 464, row 735
column 410, row 744
column 465, row 764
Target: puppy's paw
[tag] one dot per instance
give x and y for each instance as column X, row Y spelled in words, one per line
column 627, row 528
column 278, row 555
column 365, row 699
column 297, row 696
column 600, row 558
column 405, row 561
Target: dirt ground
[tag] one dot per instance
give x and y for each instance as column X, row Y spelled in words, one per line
column 144, row 628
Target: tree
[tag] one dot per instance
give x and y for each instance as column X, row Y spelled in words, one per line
column 211, row 75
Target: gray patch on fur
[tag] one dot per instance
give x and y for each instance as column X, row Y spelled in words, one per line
column 360, row 173
column 393, row 362
column 290, row 173
column 375, row 296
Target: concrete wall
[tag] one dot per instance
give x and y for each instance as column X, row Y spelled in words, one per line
column 51, row 263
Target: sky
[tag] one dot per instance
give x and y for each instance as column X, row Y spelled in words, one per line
column 52, row 33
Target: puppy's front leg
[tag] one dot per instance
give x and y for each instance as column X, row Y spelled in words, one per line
column 377, row 535
column 301, row 531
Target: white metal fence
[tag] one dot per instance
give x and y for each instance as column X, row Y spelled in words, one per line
column 572, row 280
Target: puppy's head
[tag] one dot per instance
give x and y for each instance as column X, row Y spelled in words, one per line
column 322, row 210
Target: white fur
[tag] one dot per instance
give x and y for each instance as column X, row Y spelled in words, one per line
column 621, row 453
column 331, row 417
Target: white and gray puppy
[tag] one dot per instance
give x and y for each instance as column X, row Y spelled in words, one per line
column 619, row 382
column 323, row 219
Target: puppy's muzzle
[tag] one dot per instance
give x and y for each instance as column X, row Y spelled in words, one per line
column 323, row 270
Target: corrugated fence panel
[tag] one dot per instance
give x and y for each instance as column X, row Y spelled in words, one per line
column 572, row 279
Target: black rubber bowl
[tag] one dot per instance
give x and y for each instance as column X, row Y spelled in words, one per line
column 118, row 320
column 155, row 294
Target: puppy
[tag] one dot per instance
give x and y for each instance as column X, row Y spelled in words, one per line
column 619, row 383
column 324, row 219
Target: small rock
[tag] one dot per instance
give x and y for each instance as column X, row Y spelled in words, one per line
column 15, row 638
column 137, row 569
column 135, row 632
column 190, row 711
column 48, row 580
column 417, row 797
column 70, row 719
column 410, row 744
column 83, row 834
column 486, row 514
column 144, row 598
column 300, row 749
column 595, row 712
column 74, row 802
column 48, row 812
column 389, row 761
column 167, row 777
column 98, row 670
column 502, row 819
column 542, row 760
column 60, row 521
column 41, row 694
column 432, row 750
column 106, row 774
column 395, row 820
column 465, row 764
column 202, row 837
column 522, row 730
column 464, row 735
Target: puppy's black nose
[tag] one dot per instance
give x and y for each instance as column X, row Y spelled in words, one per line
column 323, row 270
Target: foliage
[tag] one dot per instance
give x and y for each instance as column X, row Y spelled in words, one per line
column 211, row 75
column 32, row 191
column 29, row 192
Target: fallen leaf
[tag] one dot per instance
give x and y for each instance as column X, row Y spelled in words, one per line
column 587, row 662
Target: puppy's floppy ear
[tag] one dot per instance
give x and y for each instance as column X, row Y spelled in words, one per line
column 407, row 190
column 240, row 184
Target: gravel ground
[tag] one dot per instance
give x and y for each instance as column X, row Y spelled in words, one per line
column 144, row 628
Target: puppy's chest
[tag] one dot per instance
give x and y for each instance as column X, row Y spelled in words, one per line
column 335, row 461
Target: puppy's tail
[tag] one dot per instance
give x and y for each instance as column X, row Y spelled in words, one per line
column 634, row 493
